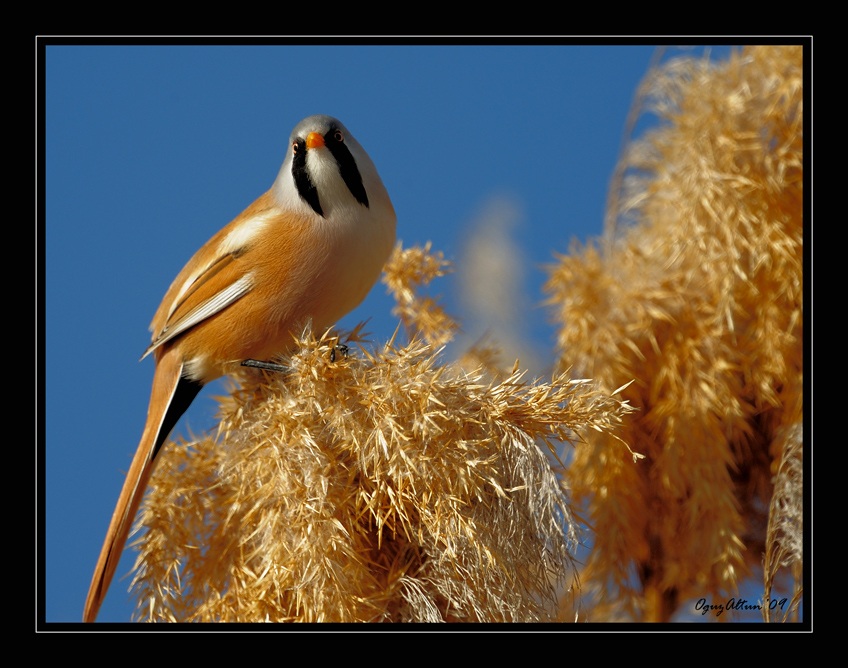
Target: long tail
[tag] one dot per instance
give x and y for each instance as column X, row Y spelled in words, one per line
column 170, row 397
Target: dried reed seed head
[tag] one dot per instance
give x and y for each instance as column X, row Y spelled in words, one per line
column 696, row 293
column 384, row 485
column 405, row 274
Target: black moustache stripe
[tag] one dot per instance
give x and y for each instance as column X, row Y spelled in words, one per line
column 347, row 168
column 304, row 184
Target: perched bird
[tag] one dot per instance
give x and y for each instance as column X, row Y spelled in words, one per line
column 308, row 250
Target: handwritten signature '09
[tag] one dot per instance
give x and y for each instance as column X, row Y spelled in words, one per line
column 737, row 604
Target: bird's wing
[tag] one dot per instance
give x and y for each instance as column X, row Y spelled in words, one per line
column 181, row 320
column 213, row 279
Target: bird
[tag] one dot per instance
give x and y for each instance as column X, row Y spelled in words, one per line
column 307, row 251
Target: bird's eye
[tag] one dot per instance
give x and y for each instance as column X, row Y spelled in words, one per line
column 338, row 136
column 294, row 148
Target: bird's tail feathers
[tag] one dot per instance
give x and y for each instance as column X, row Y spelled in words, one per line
column 169, row 399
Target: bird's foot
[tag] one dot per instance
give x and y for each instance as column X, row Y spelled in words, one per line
column 343, row 351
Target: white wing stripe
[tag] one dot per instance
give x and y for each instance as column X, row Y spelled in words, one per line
column 210, row 307
column 236, row 241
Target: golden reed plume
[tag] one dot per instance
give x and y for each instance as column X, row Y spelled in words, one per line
column 696, row 294
column 380, row 485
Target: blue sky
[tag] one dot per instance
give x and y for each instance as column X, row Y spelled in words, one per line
column 150, row 149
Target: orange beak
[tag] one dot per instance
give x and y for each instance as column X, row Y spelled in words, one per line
column 314, row 140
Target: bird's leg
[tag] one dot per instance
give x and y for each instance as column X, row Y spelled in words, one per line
column 272, row 366
column 267, row 366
